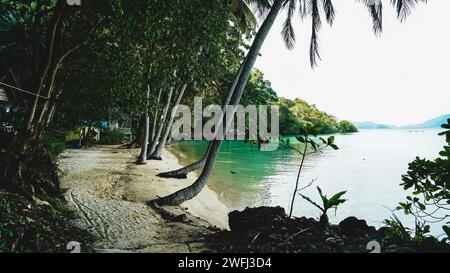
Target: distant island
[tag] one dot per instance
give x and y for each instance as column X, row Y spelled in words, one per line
column 372, row 125
column 432, row 123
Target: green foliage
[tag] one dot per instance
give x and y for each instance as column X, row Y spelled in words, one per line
column 396, row 231
column 113, row 137
column 29, row 227
column 6, row 235
column 306, row 140
column 346, row 126
column 258, row 91
column 295, row 114
column 430, row 182
column 53, row 146
column 327, row 203
column 38, row 169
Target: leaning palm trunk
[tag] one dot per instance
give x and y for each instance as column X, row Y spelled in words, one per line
column 161, row 122
column 194, row 189
column 155, row 118
column 144, row 144
column 159, row 149
column 182, row 173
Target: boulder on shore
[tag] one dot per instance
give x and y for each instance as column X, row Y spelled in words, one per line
column 354, row 227
column 252, row 218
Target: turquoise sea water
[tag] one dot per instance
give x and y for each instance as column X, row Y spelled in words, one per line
column 369, row 165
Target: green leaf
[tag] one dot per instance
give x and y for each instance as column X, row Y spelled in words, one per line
column 331, row 140
column 313, row 144
column 322, row 196
column 300, row 139
column 335, row 199
column 311, row 201
column 446, row 230
column 334, row 146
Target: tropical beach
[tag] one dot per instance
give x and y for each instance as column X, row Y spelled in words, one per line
column 224, row 127
column 108, row 193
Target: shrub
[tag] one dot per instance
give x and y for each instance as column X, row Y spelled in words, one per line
column 430, row 182
column 34, row 172
column 114, row 137
column 53, row 146
column 346, row 126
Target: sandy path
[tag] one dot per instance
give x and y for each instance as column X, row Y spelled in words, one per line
column 108, row 191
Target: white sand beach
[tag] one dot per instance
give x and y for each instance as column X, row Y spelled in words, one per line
column 108, row 191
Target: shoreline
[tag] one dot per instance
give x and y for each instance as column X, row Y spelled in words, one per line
column 206, row 205
column 214, row 183
column 107, row 191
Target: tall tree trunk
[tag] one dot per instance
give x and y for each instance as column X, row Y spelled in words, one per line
column 194, row 189
column 51, row 34
column 51, row 112
column 40, row 76
column 155, row 118
column 45, row 107
column 143, row 155
column 161, row 122
column 182, row 173
column 159, row 149
column 298, row 178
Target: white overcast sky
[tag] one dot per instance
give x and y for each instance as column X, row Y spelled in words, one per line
column 399, row 78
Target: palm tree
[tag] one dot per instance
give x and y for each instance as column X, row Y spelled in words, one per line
column 160, row 125
column 306, row 8
column 162, row 141
column 143, row 155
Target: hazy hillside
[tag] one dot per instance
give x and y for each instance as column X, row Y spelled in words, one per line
column 432, row 123
column 372, row 125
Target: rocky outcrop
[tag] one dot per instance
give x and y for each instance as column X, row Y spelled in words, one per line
column 269, row 229
column 354, row 227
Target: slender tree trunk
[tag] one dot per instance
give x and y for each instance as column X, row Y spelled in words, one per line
column 161, row 122
column 42, row 75
column 143, row 155
column 51, row 33
column 51, row 112
column 51, row 115
column 298, row 178
column 155, row 119
column 194, row 189
column 182, row 173
column 45, row 106
column 159, row 149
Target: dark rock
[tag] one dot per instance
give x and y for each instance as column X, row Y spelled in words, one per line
column 354, row 227
column 169, row 175
column 253, row 218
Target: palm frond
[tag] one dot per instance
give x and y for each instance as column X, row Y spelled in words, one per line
column 330, row 13
column 316, row 23
column 303, row 10
column 262, row 7
column 375, row 8
column 405, row 7
column 288, row 32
